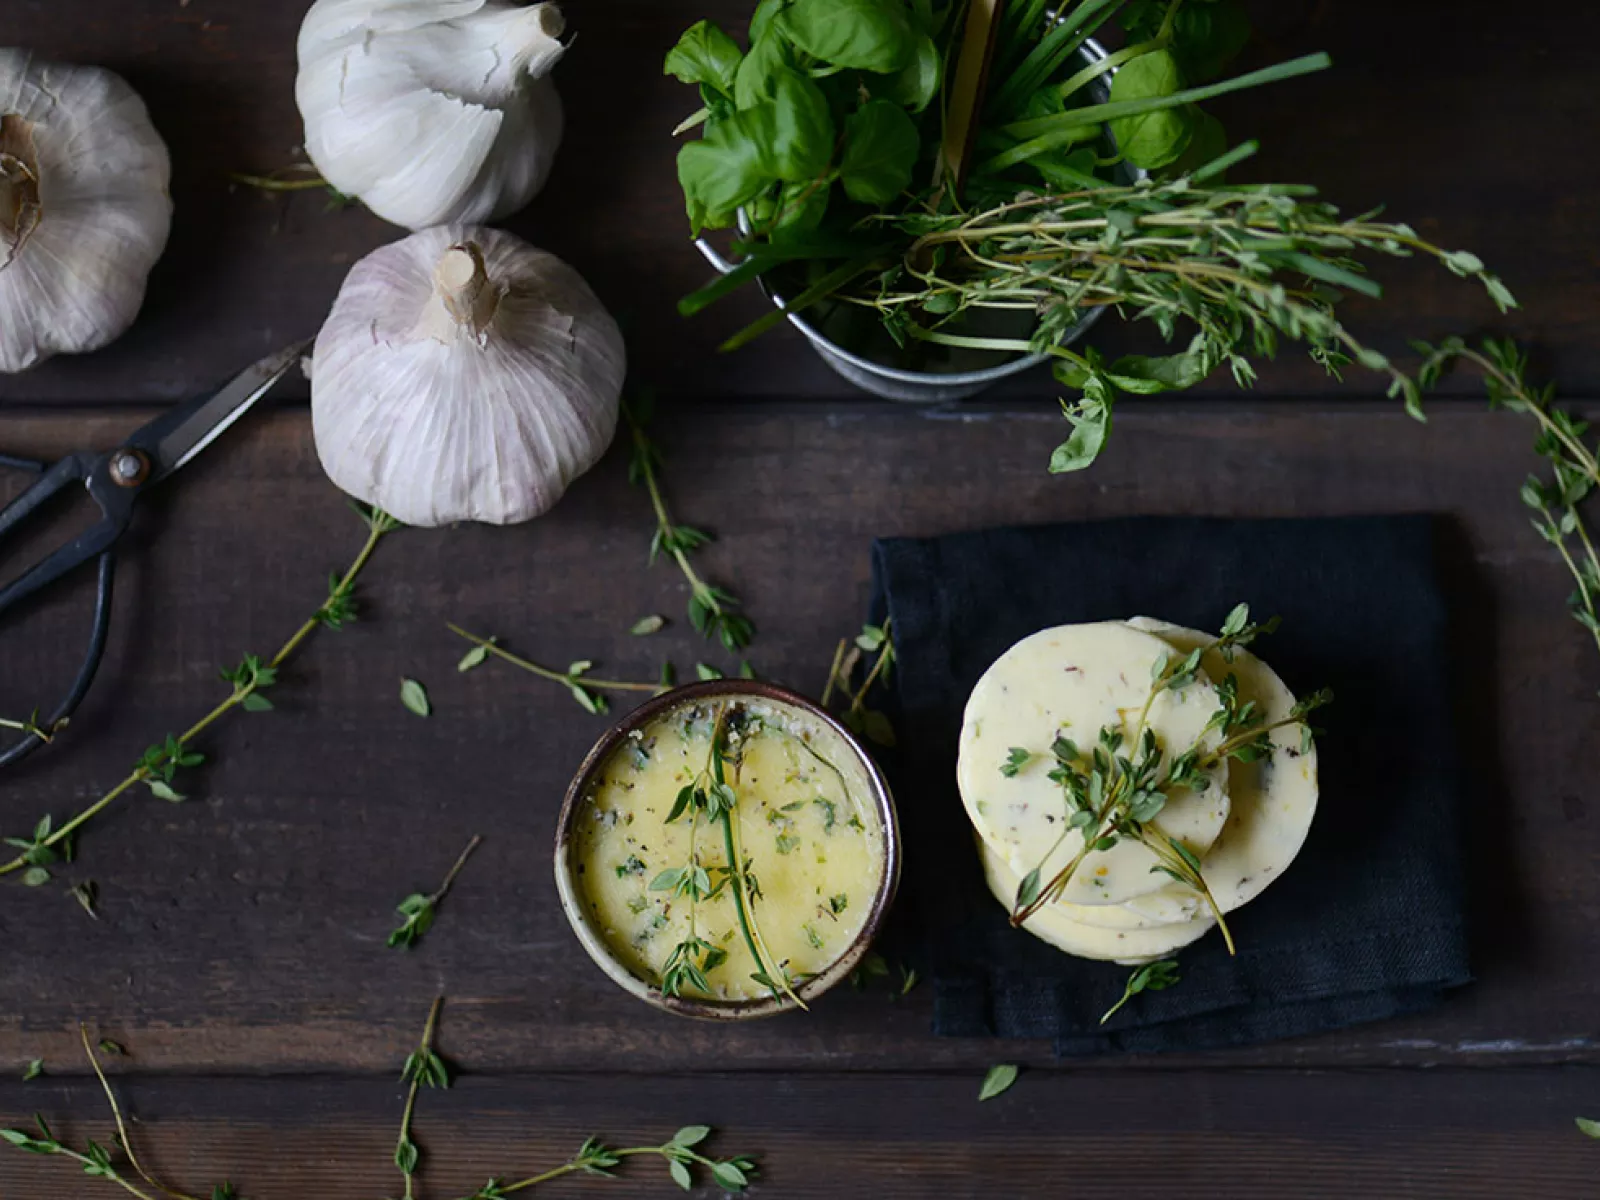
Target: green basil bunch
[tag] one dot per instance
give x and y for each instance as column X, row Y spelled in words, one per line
column 827, row 97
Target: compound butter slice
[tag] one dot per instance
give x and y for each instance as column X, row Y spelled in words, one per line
column 1272, row 802
column 1073, row 680
column 1052, row 925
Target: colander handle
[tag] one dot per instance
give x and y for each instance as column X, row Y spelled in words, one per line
column 722, row 265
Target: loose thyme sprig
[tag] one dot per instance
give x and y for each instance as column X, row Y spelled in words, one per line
column 1152, row 977
column 419, row 909
column 1111, row 796
column 732, row 1175
column 1248, row 267
column 97, row 1161
column 876, row 640
column 157, row 768
column 713, row 611
column 34, row 727
column 1574, row 466
column 422, row 1067
column 586, row 690
column 297, row 177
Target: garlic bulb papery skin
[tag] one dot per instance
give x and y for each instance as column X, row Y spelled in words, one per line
column 432, row 111
column 84, row 208
column 464, row 376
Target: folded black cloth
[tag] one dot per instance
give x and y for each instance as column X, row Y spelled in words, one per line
column 1368, row 922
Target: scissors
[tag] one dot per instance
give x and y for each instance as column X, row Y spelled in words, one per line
column 116, row 480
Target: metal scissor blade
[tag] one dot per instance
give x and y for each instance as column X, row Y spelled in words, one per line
column 175, row 437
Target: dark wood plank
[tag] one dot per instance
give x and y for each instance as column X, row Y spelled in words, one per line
column 244, row 930
column 1448, row 1135
column 1467, row 125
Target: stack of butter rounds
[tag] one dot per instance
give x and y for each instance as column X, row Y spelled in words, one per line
column 1244, row 827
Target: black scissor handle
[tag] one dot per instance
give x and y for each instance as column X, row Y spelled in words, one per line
column 97, row 542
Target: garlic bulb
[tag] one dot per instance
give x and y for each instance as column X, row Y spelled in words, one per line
column 84, row 209
column 464, row 376
column 432, row 111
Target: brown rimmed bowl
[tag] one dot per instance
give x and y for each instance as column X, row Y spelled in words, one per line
column 577, row 795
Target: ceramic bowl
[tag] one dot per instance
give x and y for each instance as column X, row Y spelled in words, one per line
column 577, row 795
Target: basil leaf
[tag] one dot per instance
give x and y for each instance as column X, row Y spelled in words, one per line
column 800, row 144
column 1090, row 419
column 1170, row 373
column 757, row 76
column 919, row 80
column 1209, row 143
column 867, row 35
column 1152, row 139
column 762, row 18
column 724, row 169
column 704, row 54
column 880, row 150
column 802, row 206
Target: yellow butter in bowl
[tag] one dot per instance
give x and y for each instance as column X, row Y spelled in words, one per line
column 672, row 802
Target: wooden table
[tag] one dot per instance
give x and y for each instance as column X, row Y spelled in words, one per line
column 239, row 952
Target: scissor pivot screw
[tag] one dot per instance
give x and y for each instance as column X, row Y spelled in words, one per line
column 129, row 468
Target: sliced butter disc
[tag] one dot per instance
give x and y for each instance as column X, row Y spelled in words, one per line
column 1050, row 924
column 1074, row 680
column 1273, row 801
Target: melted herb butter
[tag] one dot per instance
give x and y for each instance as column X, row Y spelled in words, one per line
column 816, row 848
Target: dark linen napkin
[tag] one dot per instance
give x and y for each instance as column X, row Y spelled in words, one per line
column 1366, row 925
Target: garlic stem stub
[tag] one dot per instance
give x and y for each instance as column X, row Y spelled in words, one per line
column 464, row 375
column 432, row 111
column 84, row 208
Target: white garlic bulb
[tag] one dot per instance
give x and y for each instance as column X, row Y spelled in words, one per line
column 464, row 376
column 84, row 208
column 432, row 111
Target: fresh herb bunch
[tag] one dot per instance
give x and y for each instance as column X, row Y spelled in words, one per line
column 1117, row 789
column 157, row 769
column 713, row 611
column 831, row 116
column 1247, row 268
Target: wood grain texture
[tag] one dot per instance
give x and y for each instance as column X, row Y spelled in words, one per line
column 1472, row 128
column 1091, row 1135
column 244, row 930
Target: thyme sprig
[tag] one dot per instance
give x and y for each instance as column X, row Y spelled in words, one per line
column 419, row 909
column 586, row 690
column 1248, row 267
column 1113, row 794
column 713, row 795
column 877, row 641
column 158, row 767
column 100, row 1162
column 713, row 611
column 296, row 177
column 732, row 1175
column 423, row 1067
column 1152, row 977
column 32, row 726
column 1557, row 501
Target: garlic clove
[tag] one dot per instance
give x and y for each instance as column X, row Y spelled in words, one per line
column 84, row 208
column 464, row 375
column 432, row 113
